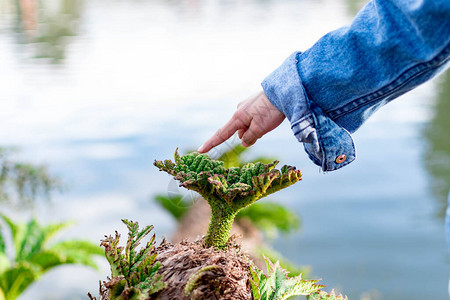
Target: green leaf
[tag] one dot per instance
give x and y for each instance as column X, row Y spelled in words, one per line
column 33, row 257
column 175, row 205
column 31, row 242
column 321, row 295
column 292, row 269
column 277, row 285
column 2, row 242
column 4, row 260
column 77, row 252
column 78, row 245
column 232, row 157
column 133, row 272
column 271, row 218
column 15, row 280
column 263, row 159
column 17, row 232
column 2, row 294
column 47, row 260
column 50, row 230
column 5, row 263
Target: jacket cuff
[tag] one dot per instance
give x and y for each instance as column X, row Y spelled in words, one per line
column 284, row 89
column 327, row 144
column 333, row 146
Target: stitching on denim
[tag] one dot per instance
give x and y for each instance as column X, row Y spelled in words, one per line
column 406, row 77
column 302, row 129
column 307, row 116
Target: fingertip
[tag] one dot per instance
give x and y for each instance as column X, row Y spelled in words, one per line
column 202, row 149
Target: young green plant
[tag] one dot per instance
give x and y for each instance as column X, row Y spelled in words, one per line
column 31, row 254
column 134, row 273
column 227, row 190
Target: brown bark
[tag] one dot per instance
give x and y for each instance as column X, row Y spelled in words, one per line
column 230, row 280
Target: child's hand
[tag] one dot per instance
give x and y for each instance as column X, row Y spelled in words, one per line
column 253, row 118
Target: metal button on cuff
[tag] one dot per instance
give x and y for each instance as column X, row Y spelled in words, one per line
column 340, row 159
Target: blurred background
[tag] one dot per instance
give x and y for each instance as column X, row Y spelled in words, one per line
column 99, row 89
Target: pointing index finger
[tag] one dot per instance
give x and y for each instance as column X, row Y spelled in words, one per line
column 223, row 134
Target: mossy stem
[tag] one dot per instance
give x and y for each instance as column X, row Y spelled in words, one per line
column 221, row 221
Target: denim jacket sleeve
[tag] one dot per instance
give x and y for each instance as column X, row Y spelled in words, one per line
column 328, row 91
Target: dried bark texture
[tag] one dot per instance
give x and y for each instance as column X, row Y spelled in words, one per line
column 228, row 279
column 210, row 273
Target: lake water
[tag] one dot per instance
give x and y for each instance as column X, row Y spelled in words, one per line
column 99, row 89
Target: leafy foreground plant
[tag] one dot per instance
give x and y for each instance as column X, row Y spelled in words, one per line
column 277, row 285
column 33, row 255
column 134, row 274
column 213, row 267
column 189, row 270
column 227, row 190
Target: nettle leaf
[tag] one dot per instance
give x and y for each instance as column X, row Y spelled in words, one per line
column 278, row 286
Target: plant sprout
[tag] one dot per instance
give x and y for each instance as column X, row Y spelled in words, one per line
column 227, row 190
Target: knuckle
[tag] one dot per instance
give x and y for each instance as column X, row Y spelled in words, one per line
column 237, row 114
column 240, row 116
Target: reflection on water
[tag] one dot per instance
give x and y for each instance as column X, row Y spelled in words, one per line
column 437, row 134
column 45, row 26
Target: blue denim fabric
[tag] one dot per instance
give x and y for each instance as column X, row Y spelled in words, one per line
column 328, row 91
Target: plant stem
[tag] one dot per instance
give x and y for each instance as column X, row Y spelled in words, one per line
column 222, row 217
